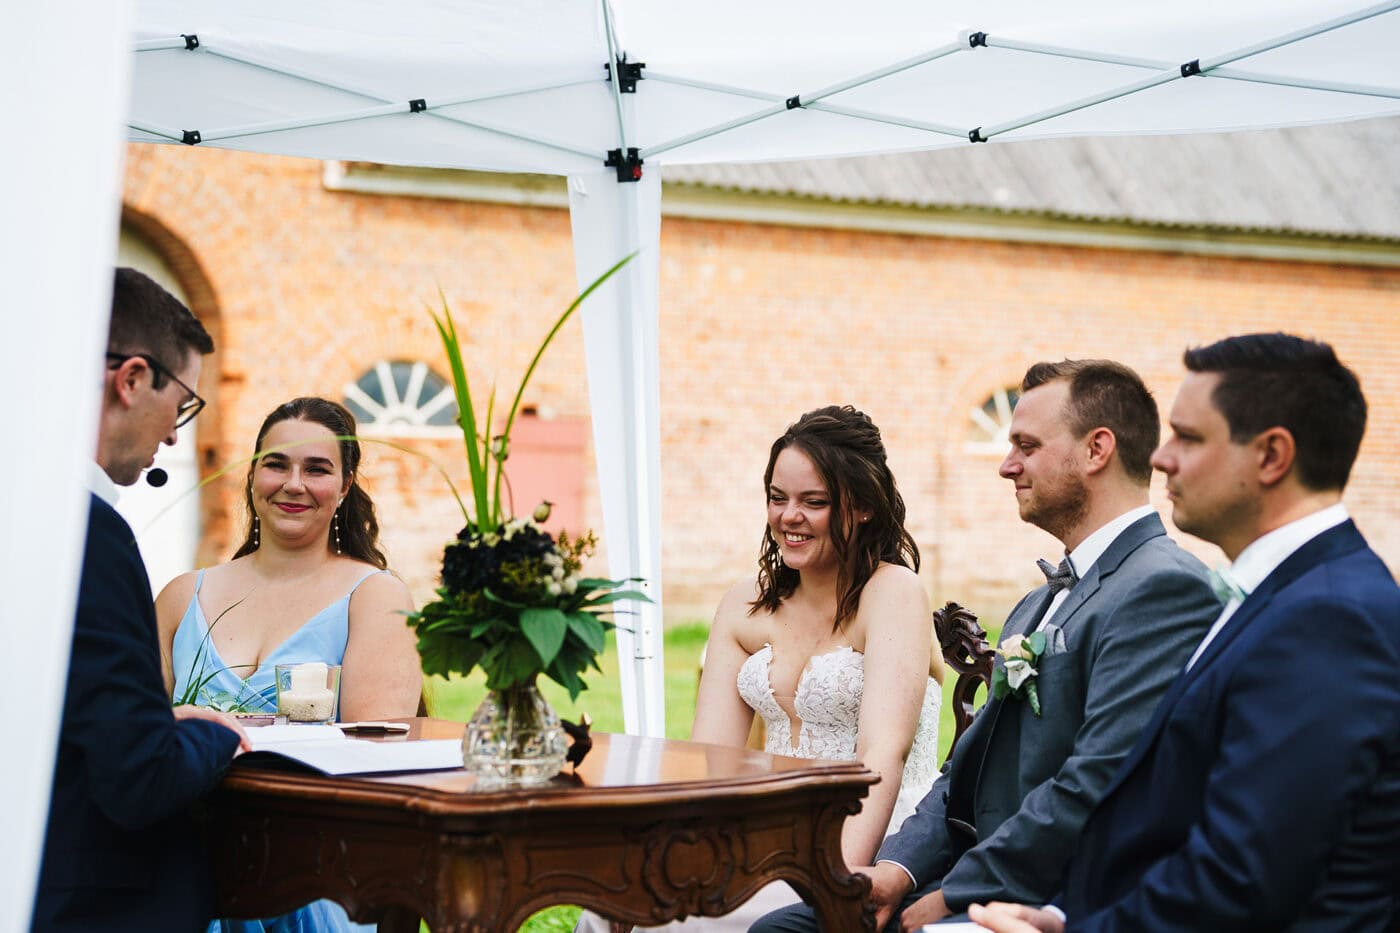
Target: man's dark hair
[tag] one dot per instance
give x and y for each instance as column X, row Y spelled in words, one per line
column 1105, row 394
column 148, row 319
column 1279, row 380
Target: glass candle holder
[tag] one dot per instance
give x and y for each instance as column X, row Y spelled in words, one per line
column 308, row 692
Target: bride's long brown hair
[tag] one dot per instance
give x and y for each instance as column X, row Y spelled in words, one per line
column 845, row 447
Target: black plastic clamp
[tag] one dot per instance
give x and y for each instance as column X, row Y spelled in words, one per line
column 191, row 41
column 976, row 136
column 417, row 105
column 629, row 168
column 628, row 74
column 977, row 40
column 191, row 138
column 794, row 102
column 1193, row 67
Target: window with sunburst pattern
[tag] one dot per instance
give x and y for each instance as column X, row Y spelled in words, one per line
column 402, row 397
column 989, row 431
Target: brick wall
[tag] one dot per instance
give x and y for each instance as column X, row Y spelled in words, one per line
column 310, row 287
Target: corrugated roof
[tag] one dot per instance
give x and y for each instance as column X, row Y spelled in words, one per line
column 1335, row 180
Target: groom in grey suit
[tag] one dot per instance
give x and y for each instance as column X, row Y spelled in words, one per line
column 1120, row 615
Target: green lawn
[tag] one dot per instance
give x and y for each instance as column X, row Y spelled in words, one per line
column 457, row 698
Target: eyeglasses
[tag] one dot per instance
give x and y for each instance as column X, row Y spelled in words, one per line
column 188, row 409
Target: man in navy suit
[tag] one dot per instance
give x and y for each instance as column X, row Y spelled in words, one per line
column 120, row 852
column 1265, row 791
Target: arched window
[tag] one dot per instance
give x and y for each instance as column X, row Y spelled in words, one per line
column 402, row 397
column 989, row 430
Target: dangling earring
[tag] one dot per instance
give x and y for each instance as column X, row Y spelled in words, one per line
column 335, row 524
column 255, row 532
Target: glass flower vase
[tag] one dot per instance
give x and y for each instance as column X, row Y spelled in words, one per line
column 514, row 739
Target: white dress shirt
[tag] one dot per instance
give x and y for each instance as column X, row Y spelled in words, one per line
column 1091, row 549
column 1264, row 554
column 101, row 484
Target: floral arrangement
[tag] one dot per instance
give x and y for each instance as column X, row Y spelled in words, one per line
column 513, row 600
column 1022, row 654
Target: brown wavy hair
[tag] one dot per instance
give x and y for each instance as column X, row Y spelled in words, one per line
column 359, row 528
column 845, row 447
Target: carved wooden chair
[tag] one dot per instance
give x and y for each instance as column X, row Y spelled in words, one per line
column 967, row 654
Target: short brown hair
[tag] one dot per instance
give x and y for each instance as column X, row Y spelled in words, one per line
column 148, row 319
column 1105, row 394
column 1283, row 380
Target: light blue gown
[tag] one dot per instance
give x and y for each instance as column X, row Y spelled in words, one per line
column 194, row 658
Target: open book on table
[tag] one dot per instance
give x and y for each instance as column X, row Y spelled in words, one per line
column 330, row 751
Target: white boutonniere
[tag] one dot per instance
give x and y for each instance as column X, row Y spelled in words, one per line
column 1021, row 655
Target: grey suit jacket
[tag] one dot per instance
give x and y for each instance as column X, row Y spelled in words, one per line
column 1027, row 783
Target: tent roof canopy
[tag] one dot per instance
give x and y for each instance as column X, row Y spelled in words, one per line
column 526, row 86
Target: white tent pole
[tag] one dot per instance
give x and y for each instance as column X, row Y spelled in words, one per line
column 823, row 106
column 1308, row 32
column 58, row 237
column 611, row 219
column 1233, row 74
column 802, row 100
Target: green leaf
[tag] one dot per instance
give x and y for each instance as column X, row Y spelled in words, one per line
column 1036, row 642
column 448, row 655
column 615, row 596
column 545, row 628
column 589, row 630
column 1033, row 697
column 466, row 414
column 511, row 662
column 1000, row 686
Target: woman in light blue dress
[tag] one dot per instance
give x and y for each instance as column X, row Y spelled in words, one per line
column 308, row 584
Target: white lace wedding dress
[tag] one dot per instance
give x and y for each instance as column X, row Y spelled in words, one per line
column 828, row 705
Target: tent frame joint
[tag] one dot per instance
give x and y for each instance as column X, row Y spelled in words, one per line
column 418, row 105
column 977, row 40
column 794, row 102
column 191, row 41
column 190, row 137
column 975, row 135
column 1193, row 67
column 628, row 74
column 629, row 168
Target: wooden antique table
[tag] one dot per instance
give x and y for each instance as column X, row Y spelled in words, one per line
column 647, row 830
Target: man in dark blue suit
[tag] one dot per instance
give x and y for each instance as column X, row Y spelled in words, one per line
column 120, row 852
column 1264, row 794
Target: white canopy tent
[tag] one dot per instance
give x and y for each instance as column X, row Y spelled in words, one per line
column 528, row 86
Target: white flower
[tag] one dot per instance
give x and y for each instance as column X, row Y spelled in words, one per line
column 570, row 585
column 1018, row 671
column 557, row 573
column 554, row 588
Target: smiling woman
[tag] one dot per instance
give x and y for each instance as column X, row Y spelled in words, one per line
column 309, row 583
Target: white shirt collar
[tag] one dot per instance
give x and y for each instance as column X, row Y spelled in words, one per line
column 101, row 484
column 1092, row 547
column 1265, row 553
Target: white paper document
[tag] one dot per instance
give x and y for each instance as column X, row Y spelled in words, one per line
column 330, row 751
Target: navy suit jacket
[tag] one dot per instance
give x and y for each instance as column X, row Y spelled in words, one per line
column 1265, row 792
column 121, row 852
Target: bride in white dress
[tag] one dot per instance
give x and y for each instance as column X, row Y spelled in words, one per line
column 836, row 605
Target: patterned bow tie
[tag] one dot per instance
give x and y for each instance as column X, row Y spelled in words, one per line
column 1059, row 578
column 1227, row 586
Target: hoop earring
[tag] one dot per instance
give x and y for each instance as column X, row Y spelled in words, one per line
column 255, row 531
column 335, row 528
